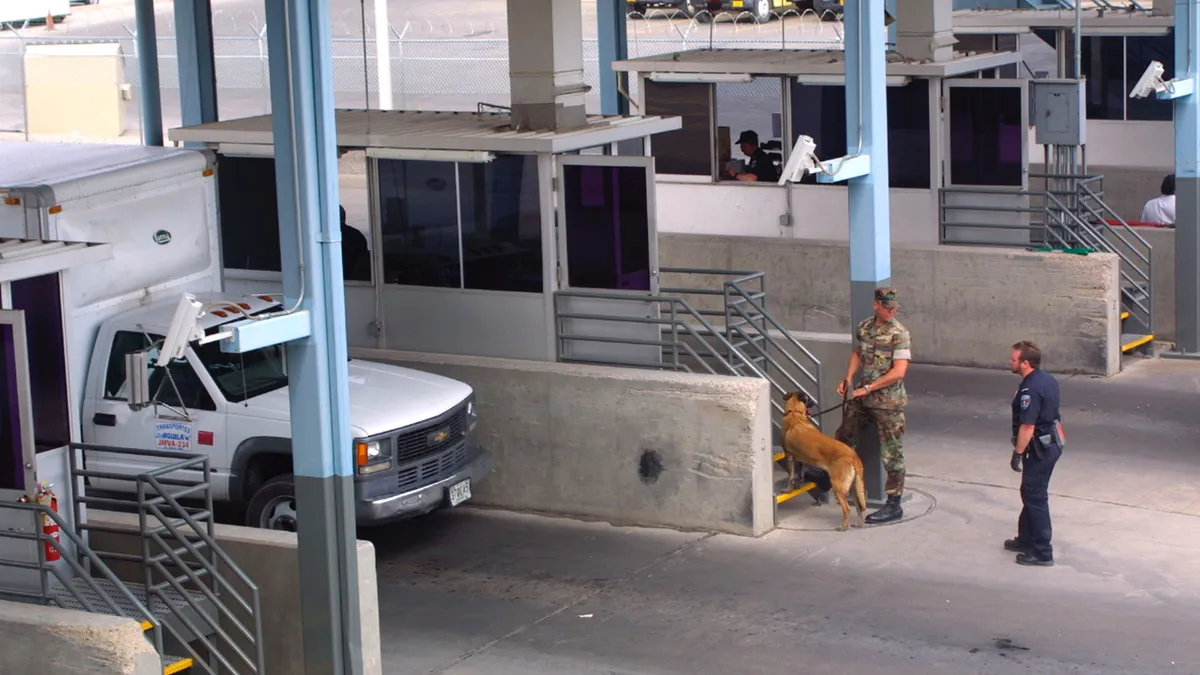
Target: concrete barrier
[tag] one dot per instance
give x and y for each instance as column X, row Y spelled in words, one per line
column 965, row 306
column 271, row 560
column 631, row 447
column 40, row 639
column 1162, row 277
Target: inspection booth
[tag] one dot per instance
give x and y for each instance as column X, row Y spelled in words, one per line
column 1130, row 141
column 951, row 123
column 471, row 226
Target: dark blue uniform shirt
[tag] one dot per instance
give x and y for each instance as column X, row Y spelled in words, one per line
column 1036, row 403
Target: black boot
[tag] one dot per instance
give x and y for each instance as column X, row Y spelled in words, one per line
column 890, row 511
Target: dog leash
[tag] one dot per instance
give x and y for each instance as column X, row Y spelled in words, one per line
column 840, row 405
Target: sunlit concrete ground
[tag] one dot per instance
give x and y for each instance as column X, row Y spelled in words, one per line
column 486, row 592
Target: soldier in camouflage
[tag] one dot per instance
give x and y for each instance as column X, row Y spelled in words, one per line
column 882, row 349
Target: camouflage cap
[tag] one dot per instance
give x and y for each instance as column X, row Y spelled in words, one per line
column 887, row 297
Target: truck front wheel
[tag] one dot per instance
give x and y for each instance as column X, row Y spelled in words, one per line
column 273, row 507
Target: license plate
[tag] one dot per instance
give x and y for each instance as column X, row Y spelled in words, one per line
column 738, row 3
column 460, row 492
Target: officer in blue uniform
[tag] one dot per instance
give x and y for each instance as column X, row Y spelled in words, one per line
column 1038, row 442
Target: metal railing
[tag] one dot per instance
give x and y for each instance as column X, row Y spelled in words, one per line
column 1069, row 213
column 46, row 594
column 750, row 342
column 179, row 553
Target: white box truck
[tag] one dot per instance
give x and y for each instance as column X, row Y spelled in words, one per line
column 414, row 433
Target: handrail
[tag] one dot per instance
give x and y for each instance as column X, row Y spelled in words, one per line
column 178, row 533
column 142, row 614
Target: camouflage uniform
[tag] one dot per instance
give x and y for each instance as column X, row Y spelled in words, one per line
column 879, row 345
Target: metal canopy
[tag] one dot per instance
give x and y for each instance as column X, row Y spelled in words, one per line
column 1092, row 21
column 28, row 258
column 412, row 130
column 822, row 63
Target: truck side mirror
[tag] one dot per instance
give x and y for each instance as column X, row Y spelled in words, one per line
column 137, row 377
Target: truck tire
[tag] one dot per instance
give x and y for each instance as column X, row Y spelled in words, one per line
column 273, row 507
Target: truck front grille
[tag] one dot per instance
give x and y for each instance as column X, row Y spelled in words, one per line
column 431, row 469
column 432, row 439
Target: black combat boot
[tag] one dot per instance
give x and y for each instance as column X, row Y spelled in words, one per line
column 890, row 511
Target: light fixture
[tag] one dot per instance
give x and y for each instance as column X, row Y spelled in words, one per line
column 731, row 78
column 465, row 156
column 831, row 79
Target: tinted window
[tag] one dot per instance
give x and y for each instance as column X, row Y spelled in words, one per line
column 249, row 213
column 419, row 223
column 501, row 224
column 244, row 376
column 986, row 136
column 688, row 150
column 608, row 243
column 1139, row 52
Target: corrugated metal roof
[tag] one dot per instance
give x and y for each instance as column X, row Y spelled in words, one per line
column 414, row 130
column 800, row 62
column 1093, row 21
column 27, row 258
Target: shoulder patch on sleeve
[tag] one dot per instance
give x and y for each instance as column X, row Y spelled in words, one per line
column 1025, row 401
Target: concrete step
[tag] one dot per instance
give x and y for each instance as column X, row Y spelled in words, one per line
column 175, row 665
column 1132, row 341
column 168, row 612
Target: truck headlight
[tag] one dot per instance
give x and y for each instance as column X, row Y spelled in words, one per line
column 367, row 453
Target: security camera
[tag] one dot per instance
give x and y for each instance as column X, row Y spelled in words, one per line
column 183, row 330
column 803, row 160
column 1151, row 81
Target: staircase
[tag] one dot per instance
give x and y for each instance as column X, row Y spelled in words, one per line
column 199, row 611
column 1069, row 215
column 714, row 322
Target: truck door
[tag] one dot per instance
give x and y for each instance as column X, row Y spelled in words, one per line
column 17, row 476
column 188, row 415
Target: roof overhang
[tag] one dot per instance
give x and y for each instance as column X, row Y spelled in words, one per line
column 28, row 258
column 1092, row 21
column 452, row 131
column 820, row 63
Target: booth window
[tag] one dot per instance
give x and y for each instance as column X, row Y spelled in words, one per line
column 250, row 221
column 462, row 225
column 1113, row 64
column 986, row 136
column 686, row 151
column 749, row 110
column 819, row 111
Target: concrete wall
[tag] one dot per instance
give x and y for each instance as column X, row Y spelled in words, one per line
column 586, row 441
column 270, row 559
column 964, row 306
column 39, row 639
column 817, row 211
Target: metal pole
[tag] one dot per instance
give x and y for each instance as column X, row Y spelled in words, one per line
column 299, row 49
column 1187, row 183
column 383, row 55
column 870, row 218
column 613, row 45
column 151, row 91
column 197, row 63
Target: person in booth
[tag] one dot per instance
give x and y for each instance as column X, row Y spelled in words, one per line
column 356, row 256
column 759, row 167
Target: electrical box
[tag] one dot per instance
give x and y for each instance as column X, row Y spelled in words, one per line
column 1060, row 117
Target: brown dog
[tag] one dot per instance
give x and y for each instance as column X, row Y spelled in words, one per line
column 803, row 441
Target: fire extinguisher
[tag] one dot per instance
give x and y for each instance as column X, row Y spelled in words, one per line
column 45, row 497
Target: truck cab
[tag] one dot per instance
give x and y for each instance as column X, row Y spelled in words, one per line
column 414, row 434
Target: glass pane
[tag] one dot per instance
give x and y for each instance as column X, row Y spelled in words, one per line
column 1102, row 62
column 608, row 227
column 249, row 213
column 1140, row 51
column 986, row 137
column 819, row 111
column 419, row 213
column 12, row 472
column 908, row 135
column 749, row 129
column 502, row 224
column 688, row 150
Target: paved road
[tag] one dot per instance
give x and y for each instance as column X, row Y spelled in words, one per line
column 484, row 592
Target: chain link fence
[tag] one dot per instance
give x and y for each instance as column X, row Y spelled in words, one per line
column 428, row 73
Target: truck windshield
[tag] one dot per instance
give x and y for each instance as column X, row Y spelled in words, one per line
column 244, row 376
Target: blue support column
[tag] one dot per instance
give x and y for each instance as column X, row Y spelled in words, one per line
column 305, row 139
column 150, row 92
column 614, row 46
column 197, row 63
column 870, row 213
column 1187, row 180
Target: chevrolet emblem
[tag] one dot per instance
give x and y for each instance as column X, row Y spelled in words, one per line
column 439, row 436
